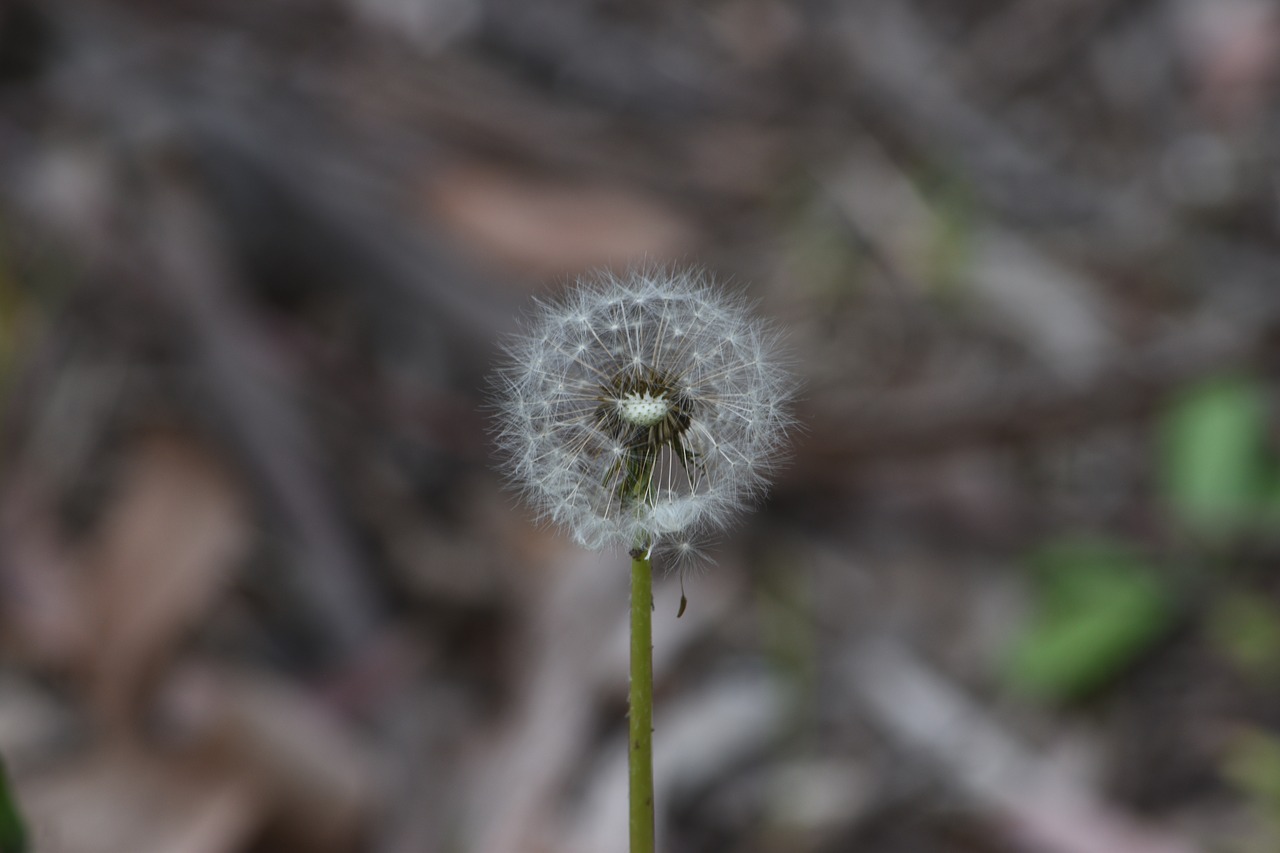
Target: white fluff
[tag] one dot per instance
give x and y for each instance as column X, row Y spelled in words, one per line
column 693, row 384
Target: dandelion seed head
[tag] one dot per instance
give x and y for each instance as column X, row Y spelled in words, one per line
column 642, row 410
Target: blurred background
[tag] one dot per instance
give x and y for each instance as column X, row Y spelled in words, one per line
column 1015, row 591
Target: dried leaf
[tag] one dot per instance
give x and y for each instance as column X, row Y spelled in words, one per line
column 318, row 782
column 165, row 548
column 117, row 800
column 552, row 228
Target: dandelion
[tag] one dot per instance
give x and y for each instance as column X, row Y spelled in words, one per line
column 642, row 412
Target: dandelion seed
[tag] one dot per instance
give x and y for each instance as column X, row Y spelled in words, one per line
column 642, row 411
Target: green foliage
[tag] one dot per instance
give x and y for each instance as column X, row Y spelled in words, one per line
column 1252, row 766
column 13, row 836
column 820, row 253
column 1097, row 608
column 1245, row 627
column 951, row 246
column 1215, row 465
column 786, row 612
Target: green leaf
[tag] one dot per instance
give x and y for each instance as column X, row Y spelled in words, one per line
column 950, row 249
column 13, row 836
column 1215, row 465
column 1246, row 628
column 1252, row 764
column 1097, row 608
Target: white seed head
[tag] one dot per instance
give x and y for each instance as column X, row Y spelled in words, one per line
column 642, row 411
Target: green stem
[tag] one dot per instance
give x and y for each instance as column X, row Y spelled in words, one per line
column 640, row 752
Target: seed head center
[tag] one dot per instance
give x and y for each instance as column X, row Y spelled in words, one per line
column 643, row 410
